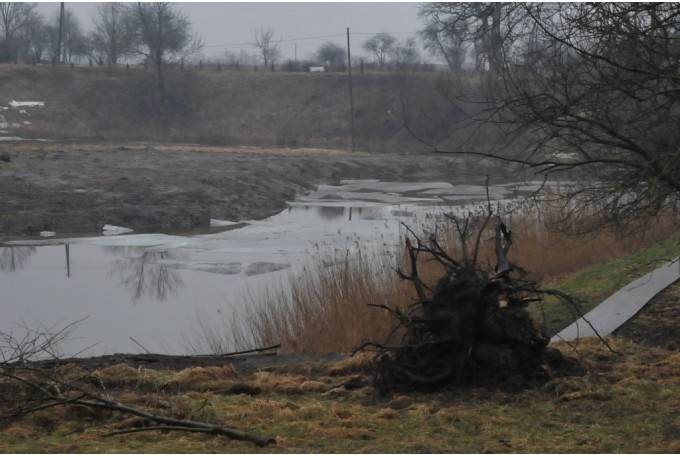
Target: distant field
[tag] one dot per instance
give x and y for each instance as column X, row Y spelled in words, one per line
column 228, row 107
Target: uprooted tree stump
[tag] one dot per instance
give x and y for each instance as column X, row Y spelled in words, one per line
column 473, row 325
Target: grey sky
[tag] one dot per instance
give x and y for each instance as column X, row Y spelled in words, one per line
column 232, row 25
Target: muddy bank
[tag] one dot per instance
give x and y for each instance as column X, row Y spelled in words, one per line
column 79, row 188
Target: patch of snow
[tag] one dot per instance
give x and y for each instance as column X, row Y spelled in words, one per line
column 19, row 139
column 220, row 223
column 109, row 229
column 26, row 103
column 47, row 233
column 26, row 122
column 23, row 112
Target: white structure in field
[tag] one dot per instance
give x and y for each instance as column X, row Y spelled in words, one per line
column 317, row 69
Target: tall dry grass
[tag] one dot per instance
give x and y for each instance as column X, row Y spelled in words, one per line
column 325, row 308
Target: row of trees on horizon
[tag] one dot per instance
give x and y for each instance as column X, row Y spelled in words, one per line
column 153, row 32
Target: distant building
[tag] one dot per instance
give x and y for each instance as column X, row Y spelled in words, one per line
column 317, row 69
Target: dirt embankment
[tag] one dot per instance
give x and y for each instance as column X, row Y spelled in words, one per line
column 71, row 188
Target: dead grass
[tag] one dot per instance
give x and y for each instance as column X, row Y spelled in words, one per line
column 286, row 110
column 325, row 308
column 626, row 402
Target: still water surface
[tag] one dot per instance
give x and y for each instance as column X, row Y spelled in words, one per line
column 157, row 288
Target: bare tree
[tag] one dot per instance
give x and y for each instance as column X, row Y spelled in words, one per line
column 162, row 33
column 486, row 25
column 449, row 46
column 14, row 17
column 595, row 95
column 380, row 45
column 331, row 54
column 112, row 36
column 34, row 40
column 241, row 59
column 267, row 45
column 74, row 42
column 406, row 54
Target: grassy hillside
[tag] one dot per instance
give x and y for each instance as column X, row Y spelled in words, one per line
column 227, row 107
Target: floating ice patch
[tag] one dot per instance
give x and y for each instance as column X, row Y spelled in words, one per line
column 47, row 233
column 110, row 229
column 26, row 103
column 258, row 268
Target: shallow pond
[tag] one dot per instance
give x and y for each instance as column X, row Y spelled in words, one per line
column 156, row 290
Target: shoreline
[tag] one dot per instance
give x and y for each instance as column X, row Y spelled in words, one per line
column 79, row 188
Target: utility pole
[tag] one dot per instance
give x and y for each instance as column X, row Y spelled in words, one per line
column 68, row 260
column 351, row 95
column 61, row 31
column 295, row 52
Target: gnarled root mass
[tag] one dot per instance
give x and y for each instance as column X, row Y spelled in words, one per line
column 472, row 326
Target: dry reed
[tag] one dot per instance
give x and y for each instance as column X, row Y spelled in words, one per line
column 325, row 307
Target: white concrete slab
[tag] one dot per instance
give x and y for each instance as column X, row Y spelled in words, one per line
column 618, row 308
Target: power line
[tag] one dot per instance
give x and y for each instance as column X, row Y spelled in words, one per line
column 280, row 41
column 307, row 38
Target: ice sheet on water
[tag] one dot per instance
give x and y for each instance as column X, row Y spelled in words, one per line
column 259, row 268
column 391, row 187
column 229, row 268
column 139, row 240
column 384, row 198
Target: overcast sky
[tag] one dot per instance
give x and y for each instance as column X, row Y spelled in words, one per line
column 232, row 25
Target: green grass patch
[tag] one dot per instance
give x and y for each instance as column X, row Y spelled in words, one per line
column 594, row 284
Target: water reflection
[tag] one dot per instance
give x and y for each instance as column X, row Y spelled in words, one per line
column 13, row 258
column 146, row 273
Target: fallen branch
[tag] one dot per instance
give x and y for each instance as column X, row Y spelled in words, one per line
column 47, row 389
column 92, row 400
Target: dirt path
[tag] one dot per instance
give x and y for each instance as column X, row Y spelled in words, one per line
column 77, row 188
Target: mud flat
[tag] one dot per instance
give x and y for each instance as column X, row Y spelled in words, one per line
column 79, row 188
